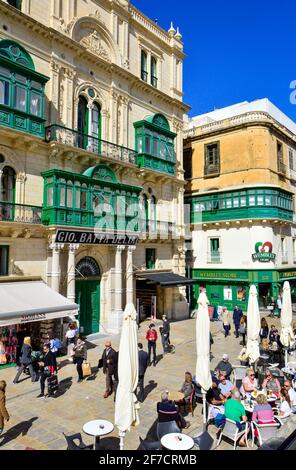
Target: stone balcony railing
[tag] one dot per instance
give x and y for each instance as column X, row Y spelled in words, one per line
column 103, row 148
column 10, row 212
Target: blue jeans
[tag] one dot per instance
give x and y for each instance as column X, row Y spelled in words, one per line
column 226, row 330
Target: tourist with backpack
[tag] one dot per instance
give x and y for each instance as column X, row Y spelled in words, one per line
column 152, row 337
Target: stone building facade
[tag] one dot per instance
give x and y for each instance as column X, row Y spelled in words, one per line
column 240, row 169
column 91, row 122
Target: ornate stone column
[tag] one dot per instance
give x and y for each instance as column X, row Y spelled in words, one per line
column 71, row 272
column 55, row 269
column 129, row 275
column 118, row 280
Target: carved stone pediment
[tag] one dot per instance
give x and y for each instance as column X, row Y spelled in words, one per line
column 92, row 40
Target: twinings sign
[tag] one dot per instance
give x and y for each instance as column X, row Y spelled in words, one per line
column 95, row 238
column 263, row 252
column 34, row 317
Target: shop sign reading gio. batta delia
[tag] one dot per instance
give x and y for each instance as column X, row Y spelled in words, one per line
column 263, row 252
column 95, row 238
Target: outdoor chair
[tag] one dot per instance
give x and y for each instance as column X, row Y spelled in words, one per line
column 149, row 445
column 238, row 373
column 197, row 390
column 210, row 408
column 231, row 431
column 265, row 431
column 72, row 444
column 167, row 427
column 190, row 403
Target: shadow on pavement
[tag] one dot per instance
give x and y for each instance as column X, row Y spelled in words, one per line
column 148, row 389
column 64, row 386
column 17, row 430
column 109, row 443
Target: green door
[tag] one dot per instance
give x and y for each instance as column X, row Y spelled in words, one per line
column 88, row 298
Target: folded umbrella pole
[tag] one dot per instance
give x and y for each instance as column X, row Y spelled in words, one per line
column 126, row 404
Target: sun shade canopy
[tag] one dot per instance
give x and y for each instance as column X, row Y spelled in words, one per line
column 23, row 302
column 166, row 279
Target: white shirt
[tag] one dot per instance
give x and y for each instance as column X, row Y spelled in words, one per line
column 279, row 303
column 285, row 408
column 292, row 395
column 70, row 333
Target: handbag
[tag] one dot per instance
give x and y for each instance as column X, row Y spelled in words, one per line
column 86, row 369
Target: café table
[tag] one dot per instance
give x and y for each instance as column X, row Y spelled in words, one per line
column 97, row 428
column 176, row 396
column 177, row 441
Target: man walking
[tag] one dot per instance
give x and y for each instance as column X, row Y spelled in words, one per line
column 109, row 364
column 165, row 334
column 143, row 363
column 226, row 321
column 237, row 314
column 151, row 337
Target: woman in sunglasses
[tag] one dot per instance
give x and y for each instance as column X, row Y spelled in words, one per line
column 249, row 383
column 271, row 383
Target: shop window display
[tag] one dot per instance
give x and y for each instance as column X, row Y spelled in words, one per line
column 8, row 343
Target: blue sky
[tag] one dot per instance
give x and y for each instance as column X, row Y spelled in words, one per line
column 236, row 51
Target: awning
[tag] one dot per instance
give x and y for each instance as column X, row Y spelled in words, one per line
column 166, row 279
column 23, row 302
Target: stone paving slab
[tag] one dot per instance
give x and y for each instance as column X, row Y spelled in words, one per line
column 39, row 423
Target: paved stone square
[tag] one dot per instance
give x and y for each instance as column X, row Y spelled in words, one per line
column 39, row 424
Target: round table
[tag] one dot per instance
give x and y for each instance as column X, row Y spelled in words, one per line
column 177, row 441
column 176, row 396
column 97, row 428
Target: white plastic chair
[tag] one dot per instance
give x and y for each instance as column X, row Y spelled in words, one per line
column 238, row 374
column 265, row 431
column 210, row 409
column 231, row 431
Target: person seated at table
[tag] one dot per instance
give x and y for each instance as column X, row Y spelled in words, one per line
column 235, row 411
column 168, row 411
column 271, row 383
column 264, row 329
column 224, row 366
column 249, row 383
column 285, row 406
column 292, row 394
column 215, row 397
column 273, row 334
column 225, row 386
column 187, row 387
column 262, row 413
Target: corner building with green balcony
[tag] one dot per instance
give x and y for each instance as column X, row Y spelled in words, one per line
column 91, row 159
column 240, row 166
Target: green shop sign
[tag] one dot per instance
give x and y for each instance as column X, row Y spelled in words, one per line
column 220, row 275
column 263, row 252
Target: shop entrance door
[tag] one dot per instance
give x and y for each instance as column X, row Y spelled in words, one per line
column 265, row 293
column 88, row 299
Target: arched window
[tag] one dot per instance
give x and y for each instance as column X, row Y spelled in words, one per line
column 144, row 71
column 153, row 72
column 144, row 214
column 8, row 185
column 82, row 122
column 153, row 213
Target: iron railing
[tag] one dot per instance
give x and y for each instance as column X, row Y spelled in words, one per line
column 282, row 168
column 103, row 148
column 10, row 212
column 214, row 257
column 212, row 169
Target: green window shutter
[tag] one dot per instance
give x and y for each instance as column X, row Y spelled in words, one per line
column 4, row 260
column 150, row 258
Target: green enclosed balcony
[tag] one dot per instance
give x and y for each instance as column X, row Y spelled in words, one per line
column 253, row 203
column 21, row 90
column 94, row 199
column 155, row 144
